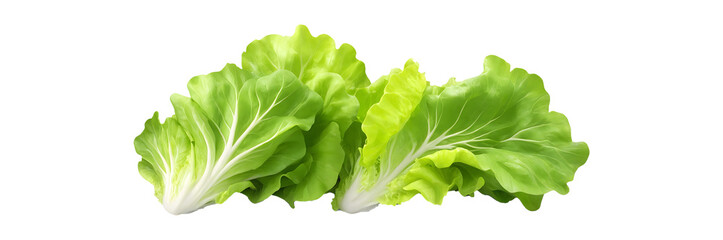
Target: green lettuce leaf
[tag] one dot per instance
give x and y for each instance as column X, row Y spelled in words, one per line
column 389, row 103
column 233, row 129
column 501, row 117
column 385, row 118
column 434, row 175
column 335, row 74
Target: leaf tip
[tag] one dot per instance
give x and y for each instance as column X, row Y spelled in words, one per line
column 494, row 64
column 302, row 30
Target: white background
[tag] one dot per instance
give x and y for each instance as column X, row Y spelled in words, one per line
column 639, row 81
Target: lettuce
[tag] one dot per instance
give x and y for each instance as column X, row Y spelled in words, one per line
column 234, row 128
column 300, row 119
column 492, row 133
column 335, row 74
